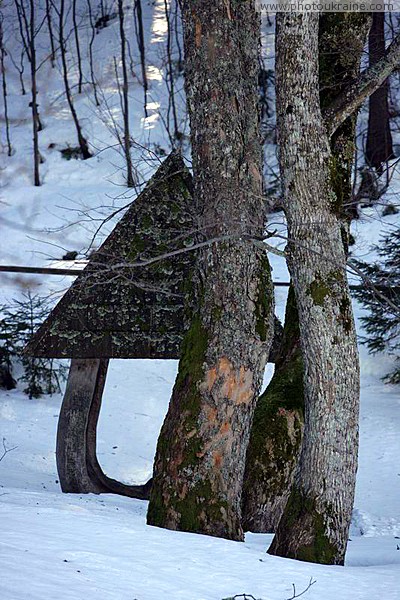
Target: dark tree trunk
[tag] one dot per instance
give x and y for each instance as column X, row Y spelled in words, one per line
column 141, row 45
column 83, row 145
column 125, row 99
column 379, row 148
column 199, row 464
column 27, row 29
column 78, row 47
column 175, row 138
column 35, row 114
column 51, row 35
column 93, row 34
column 4, row 86
column 316, row 520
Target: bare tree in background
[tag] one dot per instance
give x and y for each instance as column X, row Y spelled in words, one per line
column 51, row 34
column 77, row 45
column 138, row 14
column 91, row 64
column 130, row 182
column 176, row 135
column 26, row 12
column 20, row 67
column 60, row 11
column 379, row 148
column 3, row 54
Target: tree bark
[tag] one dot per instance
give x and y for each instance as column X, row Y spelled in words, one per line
column 362, row 87
column 379, row 148
column 278, row 421
column 200, row 458
column 276, row 434
column 316, row 519
column 78, row 47
column 51, row 35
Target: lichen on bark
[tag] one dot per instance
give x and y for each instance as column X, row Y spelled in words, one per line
column 314, row 525
column 199, row 465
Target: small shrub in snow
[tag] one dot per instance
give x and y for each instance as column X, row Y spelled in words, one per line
column 18, row 322
column 382, row 299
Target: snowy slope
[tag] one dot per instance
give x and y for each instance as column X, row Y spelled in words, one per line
column 70, row 547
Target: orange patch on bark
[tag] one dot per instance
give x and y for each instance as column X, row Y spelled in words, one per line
column 198, row 32
column 211, row 414
column 228, row 9
column 211, row 48
column 255, row 172
column 225, row 427
column 237, row 386
column 217, row 456
column 211, row 376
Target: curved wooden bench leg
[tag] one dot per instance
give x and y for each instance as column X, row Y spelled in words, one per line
column 96, row 473
column 78, row 468
column 72, row 427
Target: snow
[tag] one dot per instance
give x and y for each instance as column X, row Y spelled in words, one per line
column 64, row 546
column 69, row 547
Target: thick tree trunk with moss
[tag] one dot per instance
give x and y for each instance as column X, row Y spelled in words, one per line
column 199, row 464
column 276, row 434
column 316, row 520
column 277, row 428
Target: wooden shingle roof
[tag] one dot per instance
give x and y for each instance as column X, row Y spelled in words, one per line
column 117, row 310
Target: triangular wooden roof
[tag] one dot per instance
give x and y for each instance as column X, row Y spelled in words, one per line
column 130, row 312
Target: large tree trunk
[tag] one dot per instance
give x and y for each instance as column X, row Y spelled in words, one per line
column 316, row 519
column 199, row 464
column 379, row 147
column 277, row 428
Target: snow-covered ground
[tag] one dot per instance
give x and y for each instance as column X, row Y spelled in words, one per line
column 67, row 547
column 70, row 547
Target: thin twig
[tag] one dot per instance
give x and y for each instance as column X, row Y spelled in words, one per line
column 6, row 450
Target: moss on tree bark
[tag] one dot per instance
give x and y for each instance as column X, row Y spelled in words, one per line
column 200, row 458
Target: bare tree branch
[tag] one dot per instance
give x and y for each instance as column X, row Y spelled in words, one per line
column 311, row 582
column 6, row 450
column 365, row 85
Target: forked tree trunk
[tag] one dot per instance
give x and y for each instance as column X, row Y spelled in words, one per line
column 379, row 148
column 199, row 464
column 316, row 519
column 278, row 420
